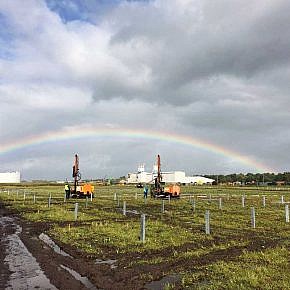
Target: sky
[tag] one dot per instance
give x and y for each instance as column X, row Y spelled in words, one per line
column 213, row 72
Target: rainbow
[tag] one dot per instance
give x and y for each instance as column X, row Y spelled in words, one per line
column 83, row 132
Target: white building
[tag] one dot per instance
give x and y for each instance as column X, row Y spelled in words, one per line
column 168, row 177
column 10, row 177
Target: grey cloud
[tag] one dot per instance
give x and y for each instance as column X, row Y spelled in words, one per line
column 217, row 71
column 239, row 43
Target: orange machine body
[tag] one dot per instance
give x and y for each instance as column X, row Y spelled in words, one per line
column 172, row 190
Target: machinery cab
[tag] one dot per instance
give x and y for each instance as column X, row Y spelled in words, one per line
column 172, row 190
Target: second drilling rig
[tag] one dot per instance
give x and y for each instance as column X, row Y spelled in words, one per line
column 80, row 190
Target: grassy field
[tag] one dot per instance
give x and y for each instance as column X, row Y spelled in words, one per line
column 233, row 256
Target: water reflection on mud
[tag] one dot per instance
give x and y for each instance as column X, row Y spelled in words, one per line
column 47, row 240
column 25, row 271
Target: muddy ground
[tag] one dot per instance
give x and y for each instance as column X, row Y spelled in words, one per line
column 59, row 271
column 43, row 268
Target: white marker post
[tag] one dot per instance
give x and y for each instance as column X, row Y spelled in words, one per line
column 142, row 232
column 243, row 201
column 253, row 218
column 76, row 210
column 207, row 222
column 124, row 207
column 193, row 205
column 264, row 201
column 220, row 203
column 287, row 213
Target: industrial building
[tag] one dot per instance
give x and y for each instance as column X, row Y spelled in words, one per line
column 168, row 177
column 10, row 177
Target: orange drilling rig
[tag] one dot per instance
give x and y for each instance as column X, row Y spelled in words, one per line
column 158, row 190
column 80, row 190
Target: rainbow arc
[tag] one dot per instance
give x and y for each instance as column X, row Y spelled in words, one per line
column 76, row 133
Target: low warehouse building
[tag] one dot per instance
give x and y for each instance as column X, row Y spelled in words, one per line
column 10, row 177
column 168, row 177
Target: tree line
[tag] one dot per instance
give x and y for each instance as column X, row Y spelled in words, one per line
column 252, row 178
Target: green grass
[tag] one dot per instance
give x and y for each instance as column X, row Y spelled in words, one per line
column 269, row 269
column 234, row 256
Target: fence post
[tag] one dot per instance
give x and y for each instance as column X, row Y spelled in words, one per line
column 136, row 195
column 220, row 203
column 287, row 213
column 142, row 233
column 243, row 201
column 207, row 222
column 91, row 196
column 193, row 205
column 162, row 206
column 282, row 199
column 76, row 210
column 115, row 196
column 253, row 218
column 264, row 201
column 49, row 201
column 124, row 207
column 34, row 198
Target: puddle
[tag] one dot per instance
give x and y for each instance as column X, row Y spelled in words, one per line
column 26, row 272
column 47, row 240
column 160, row 285
column 84, row 280
column 108, row 262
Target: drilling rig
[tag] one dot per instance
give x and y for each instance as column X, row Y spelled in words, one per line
column 158, row 190
column 80, row 190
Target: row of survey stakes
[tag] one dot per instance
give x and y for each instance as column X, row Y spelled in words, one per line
column 143, row 216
